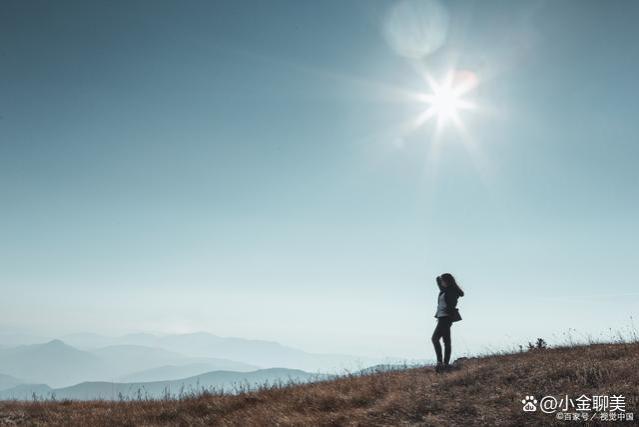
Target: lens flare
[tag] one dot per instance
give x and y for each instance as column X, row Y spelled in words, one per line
column 446, row 98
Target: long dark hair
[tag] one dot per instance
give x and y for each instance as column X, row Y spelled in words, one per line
column 451, row 282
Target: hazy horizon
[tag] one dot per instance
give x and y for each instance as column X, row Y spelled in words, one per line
column 259, row 170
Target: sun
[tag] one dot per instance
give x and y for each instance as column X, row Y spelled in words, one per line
column 446, row 99
column 445, row 102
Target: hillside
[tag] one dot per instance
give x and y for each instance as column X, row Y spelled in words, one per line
column 482, row 391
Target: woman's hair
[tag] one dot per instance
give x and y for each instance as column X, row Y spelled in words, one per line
column 451, row 282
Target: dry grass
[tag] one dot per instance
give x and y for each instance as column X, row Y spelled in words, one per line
column 484, row 391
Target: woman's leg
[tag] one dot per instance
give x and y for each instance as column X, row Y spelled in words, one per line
column 437, row 334
column 447, row 342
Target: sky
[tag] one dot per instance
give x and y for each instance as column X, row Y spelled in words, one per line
column 254, row 169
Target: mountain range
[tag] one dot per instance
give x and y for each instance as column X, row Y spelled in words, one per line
column 260, row 353
column 211, row 381
column 58, row 364
column 7, row 381
column 91, row 366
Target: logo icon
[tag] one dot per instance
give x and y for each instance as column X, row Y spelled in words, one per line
column 549, row 405
column 530, row 404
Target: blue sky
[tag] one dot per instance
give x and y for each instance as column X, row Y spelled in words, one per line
column 243, row 168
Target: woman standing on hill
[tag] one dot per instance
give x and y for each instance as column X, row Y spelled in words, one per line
column 447, row 313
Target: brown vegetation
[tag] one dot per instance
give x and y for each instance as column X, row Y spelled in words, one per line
column 482, row 391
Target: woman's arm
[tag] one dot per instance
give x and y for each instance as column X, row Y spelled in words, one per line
column 451, row 301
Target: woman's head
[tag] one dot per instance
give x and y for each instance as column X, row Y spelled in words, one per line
column 447, row 281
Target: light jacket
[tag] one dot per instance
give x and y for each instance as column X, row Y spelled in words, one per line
column 447, row 303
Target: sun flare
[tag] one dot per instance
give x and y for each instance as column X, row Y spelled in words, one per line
column 446, row 99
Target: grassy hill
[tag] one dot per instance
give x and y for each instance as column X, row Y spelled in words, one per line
column 482, row 391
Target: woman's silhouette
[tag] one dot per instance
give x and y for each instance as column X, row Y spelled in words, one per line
column 447, row 313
